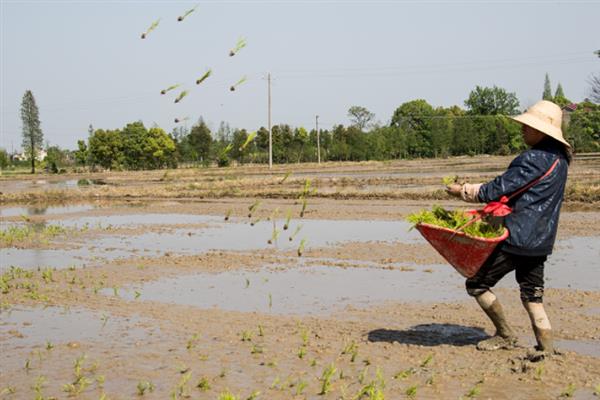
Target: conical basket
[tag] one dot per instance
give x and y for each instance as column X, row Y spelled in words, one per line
column 464, row 252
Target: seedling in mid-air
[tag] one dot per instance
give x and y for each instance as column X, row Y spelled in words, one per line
column 253, row 208
column 241, row 43
column 288, row 217
column 152, row 27
column 188, row 12
column 249, row 139
column 164, row 91
column 301, row 247
column 178, row 120
column 203, row 77
column 293, row 235
column 238, row 83
column 181, row 96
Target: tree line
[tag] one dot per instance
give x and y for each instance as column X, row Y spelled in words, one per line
column 415, row 129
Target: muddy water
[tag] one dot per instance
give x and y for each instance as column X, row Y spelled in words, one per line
column 303, row 290
column 29, row 211
column 30, row 327
column 236, row 235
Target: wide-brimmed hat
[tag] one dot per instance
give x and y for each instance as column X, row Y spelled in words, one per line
column 546, row 117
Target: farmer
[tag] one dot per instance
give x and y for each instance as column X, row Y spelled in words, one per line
column 532, row 224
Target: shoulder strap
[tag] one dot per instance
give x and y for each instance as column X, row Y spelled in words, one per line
column 532, row 183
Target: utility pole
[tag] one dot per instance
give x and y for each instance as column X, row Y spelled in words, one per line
column 270, row 133
column 318, row 140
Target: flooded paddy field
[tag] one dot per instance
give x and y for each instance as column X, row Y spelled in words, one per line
column 129, row 295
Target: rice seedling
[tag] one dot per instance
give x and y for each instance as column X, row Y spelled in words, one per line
column 301, row 247
column 405, row 374
column 151, row 28
column 178, row 120
column 270, row 301
column 449, row 180
column 597, row 390
column 474, row 391
column 76, row 388
column 274, row 234
column 455, row 219
column 301, row 352
column 411, row 391
column 172, row 87
column 300, row 386
column 188, row 12
column 204, row 77
column 246, row 336
column 27, row 365
column 275, row 383
column 287, row 174
column 115, row 290
column 254, row 395
column 430, row 380
column 8, row 390
column 370, row 392
column 252, row 208
column 100, row 379
column 104, row 320
column 49, row 345
column 539, row 371
column 247, row 283
column 203, row 384
column 255, row 221
column 226, row 395
column 256, row 349
column 38, row 386
column 228, row 214
column 304, row 205
column 288, row 217
column 223, row 373
column 192, row 341
column 143, row 387
column 248, row 140
column 351, row 348
column 328, row 373
column 261, row 331
column 238, row 83
column 181, row 96
column 427, row 361
column 313, row 362
column 569, row 391
column 136, row 294
column 181, row 390
column 241, row 43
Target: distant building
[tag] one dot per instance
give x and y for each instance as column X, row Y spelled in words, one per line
column 567, row 111
column 41, row 154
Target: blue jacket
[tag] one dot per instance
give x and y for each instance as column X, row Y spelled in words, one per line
column 534, row 220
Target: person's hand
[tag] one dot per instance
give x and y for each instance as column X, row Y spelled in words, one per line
column 454, row 189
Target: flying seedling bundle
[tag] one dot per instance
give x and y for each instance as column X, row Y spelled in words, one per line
column 439, row 216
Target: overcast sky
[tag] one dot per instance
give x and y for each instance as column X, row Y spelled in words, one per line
column 86, row 64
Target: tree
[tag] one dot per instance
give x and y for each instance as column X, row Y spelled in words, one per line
column 200, row 140
column 360, row 116
column 33, row 137
column 491, row 101
column 4, row 159
column 559, row 96
column 415, row 119
column 547, row 95
column 105, row 148
column 594, row 82
column 82, row 153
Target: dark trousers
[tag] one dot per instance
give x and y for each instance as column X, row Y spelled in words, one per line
column 529, row 272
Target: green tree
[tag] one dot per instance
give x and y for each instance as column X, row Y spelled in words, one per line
column 559, row 96
column 105, row 149
column 360, row 116
column 4, row 160
column 547, row 94
column 594, row 82
column 491, row 101
column 415, row 118
column 55, row 158
column 158, row 150
column 32, row 132
column 200, row 140
column 583, row 131
column 82, row 153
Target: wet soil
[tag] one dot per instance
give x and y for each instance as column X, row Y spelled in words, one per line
column 174, row 295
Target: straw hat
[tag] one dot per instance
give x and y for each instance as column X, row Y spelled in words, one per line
column 546, row 117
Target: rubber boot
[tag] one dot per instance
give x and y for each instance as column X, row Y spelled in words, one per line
column 544, row 339
column 504, row 337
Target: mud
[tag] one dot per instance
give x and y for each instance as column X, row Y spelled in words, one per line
column 174, row 295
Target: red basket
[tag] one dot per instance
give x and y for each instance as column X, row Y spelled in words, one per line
column 464, row 252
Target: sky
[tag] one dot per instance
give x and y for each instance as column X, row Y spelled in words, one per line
column 85, row 61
